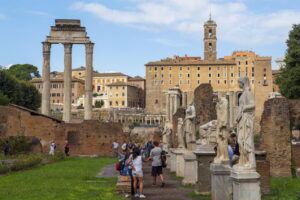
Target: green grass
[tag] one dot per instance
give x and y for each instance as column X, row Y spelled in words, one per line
column 199, row 196
column 284, row 189
column 72, row 179
column 187, row 186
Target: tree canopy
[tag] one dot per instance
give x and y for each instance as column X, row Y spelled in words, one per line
column 289, row 77
column 18, row 92
column 24, row 72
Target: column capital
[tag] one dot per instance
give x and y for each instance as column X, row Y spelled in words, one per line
column 68, row 48
column 46, row 47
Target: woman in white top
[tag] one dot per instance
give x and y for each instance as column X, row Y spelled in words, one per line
column 135, row 161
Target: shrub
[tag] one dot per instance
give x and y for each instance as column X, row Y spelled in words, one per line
column 18, row 144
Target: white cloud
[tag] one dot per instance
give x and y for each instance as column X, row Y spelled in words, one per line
column 236, row 23
column 167, row 42
column 35, row 12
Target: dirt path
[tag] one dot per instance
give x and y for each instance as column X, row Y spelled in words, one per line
column 171, row 191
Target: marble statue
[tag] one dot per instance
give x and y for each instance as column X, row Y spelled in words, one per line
column 245, row 124
column 208, row 133
column 167, row 137
column 222, row 131
column 180, row 133
column 189, row 123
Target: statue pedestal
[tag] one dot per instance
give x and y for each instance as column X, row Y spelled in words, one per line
column 190, row 168
column 172, row 160
column 168, row 160
column 179, row 161
column 246, row 185
column 205, row 155
column 221, row 184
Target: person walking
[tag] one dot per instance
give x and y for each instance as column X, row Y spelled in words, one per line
column 52, row 148
column 6, row 149
column 135, row 161
column 67, row 148
column 116, row 148
column 236, row 149
column 155, row 156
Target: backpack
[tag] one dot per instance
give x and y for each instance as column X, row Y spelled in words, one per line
column 120, row 165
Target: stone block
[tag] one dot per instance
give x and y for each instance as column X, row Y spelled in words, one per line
column 173, row 160
column 179, row 161
column 246, row 185
column 221, row 183
column 190, row 168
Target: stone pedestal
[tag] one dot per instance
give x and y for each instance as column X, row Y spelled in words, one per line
column 168, row 160
column 246, row 185
column 221, row 184
column 179, row 152
column 205, row 155
column 190, row 168
column 173, row 160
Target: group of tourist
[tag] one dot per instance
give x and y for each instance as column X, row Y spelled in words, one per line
column 53, row 147
column 131, row 163
column 233, row 150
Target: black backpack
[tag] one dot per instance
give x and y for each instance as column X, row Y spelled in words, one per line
column 163, row 159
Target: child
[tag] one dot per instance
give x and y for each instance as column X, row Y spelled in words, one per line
column 137, row 172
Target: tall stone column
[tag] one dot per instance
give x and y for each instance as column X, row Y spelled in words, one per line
column 88, row 82
column 67, row 83
column 46, row 78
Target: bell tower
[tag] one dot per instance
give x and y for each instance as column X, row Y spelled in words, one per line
column 210, row 40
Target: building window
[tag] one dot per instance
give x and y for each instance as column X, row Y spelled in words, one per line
column 218, row 68
column 209, row 68
column 110, row 103
column 188, row 75
column 225, row 68
column 225, row 82
column 188, row 82
column 170, row 82
column 156, row 101
column 117, row 103
column 123, row 87
column 246, row 62
column 155, row 68
column 110, row 87
column 161, row 82
column 209, row 81
column 198, row 75
column 210, row 46
column 117, row 94
column 123, row 94
column 239, row 62
column 180, row 68
column 162, row 75
column 252, row 74
column 188, row 68
column 231, row 68
column 180, row 82
column 123, row 103
column 180, row 75
column 231, row 74
column 198, row 82
column 231, row 81
column 161, row 68
column 239, row 74
column 58, row 94
column 170, row 75
column 155, row 75
column 209, row 75
column 198, row 68
column 218, row 81
column 150, row 68
column 225, row 74
column 218, row 75
column 170, row 68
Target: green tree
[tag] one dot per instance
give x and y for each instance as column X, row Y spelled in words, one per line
column 24, row 72
column 289, row 77
column 99, row 104
column 4, row 100
column 19, row 92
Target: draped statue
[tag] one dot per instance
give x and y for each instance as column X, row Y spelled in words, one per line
column 180, row 133
column 245, row 120
column 189, row 123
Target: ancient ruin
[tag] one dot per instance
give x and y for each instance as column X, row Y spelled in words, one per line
column 67, row 32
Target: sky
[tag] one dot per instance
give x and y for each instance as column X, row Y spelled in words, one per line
column 130, row 33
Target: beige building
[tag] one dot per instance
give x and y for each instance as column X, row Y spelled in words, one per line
column 57, row 91
column 189, row 72
column 124, row 95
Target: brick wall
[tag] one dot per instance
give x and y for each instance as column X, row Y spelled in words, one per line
column 296, row 155
column 263, row 168
column 88, row 137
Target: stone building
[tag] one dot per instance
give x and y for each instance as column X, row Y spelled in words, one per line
column 189, row 72
column 57, row 91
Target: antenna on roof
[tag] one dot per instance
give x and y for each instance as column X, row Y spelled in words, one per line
column 209, row 13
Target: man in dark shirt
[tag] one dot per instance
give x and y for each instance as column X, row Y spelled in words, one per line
column 236, row 149
column 6, row 149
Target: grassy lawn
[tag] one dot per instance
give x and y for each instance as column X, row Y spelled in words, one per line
column 284, row 189
column 72, row 179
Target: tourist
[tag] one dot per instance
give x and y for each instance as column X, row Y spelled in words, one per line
column 230, row 155
column 135, row 161
column 115, row 148
column 155, row 156
column 149, row 147
column 236, row 150
column 6, row 149
column 52, row 148
column 67, row 148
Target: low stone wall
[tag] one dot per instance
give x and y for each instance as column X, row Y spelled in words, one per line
column 88, row 137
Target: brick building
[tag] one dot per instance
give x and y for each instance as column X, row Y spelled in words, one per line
column 189, row 72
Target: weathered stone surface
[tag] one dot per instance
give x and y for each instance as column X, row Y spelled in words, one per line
column 204, row 104
column 246, row 185
column 275, row 134
column 179, row 152
column 190, row 168
column 296, row 155
column 221, row 183
column 88, row 137
column 294, row 107
column 263, row 169
column 173, row 160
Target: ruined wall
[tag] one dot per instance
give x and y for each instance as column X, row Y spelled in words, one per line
column 88, row 137
column 204, row 104
column 296, row 155
column 263, row 168
column 180, row 113
column 275, row 134
column 294, row 107
column 147, row 133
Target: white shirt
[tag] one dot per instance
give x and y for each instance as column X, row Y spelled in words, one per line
column 116, row 145
column 137, row 163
